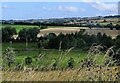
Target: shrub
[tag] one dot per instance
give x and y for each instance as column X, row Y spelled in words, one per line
column 8, row 56
column 70, row 62
column 28, row 60
column 54, row 64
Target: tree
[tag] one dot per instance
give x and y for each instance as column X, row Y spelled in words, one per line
column 117, row 27
column 51, row 35
column 110, row 26
column 65, row 43
column 28, row 34
column 104, row 20
column 0, row 36
column 98, row 25
column 117, row 42
column 7, row 33
column 93, row 39
column 8, row 56
column 73, row 41
column 99, row 36
column 107, row 40
column 43, row 26
column 23, row 34
column 80, row 43
column 33, row 34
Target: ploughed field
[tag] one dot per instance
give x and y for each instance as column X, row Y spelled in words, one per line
column 66, row 30
column 69, row 30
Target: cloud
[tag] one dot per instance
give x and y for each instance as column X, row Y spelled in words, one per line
column 4, row 6
column 68, row 8
column 82, row 9
column 64, row 8
column 99, row 0
column 46, row 8
column 109, row 7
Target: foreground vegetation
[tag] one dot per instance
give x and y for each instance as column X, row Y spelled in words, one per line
column 47, row 56
column 105, row 74
column 57, row 66
column 78, row 56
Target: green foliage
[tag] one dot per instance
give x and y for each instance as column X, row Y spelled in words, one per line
column 77, row 40
column 54, row 64
column 7, row 33
column 117, row 42
column 70, row 63
column 28, row 60
column 110, row 26
column 8, row 56
column 23, row 34
column 117, row 26
column 29, row 34
column 43, row 26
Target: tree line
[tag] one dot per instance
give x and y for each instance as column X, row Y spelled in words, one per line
column 52, row 41
column 88, row 23
column 77, row 40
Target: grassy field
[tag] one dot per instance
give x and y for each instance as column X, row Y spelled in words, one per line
column 49, row 55
column 78, row 73
column 63, row 73
column 19, row 27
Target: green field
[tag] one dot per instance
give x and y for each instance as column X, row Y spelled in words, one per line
column 49, row 55
column 19, row 27
column 62, row 73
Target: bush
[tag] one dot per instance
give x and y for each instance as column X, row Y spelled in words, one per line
column 28, row 60
column 117, row 42
column 54, row 64
column 70, row 62
column 7, row 33
column 88, row 63
column 8, row 56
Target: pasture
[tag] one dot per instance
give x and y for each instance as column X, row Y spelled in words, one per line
column 19, row 27
column 95, row 73
column 49, row 55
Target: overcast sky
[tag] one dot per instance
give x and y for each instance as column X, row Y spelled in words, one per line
column 38, row 10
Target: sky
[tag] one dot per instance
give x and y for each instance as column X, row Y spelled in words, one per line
column 51, row 9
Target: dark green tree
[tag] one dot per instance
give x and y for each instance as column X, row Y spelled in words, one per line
column 7, row 33
column 33, row 32
column 29, row 34
column 117, row 42
column 23, row 34
column 117, row 26
column 110, row 26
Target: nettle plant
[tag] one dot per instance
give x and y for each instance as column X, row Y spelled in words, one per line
column 111, row 59
column 8, row 56
column 28, row 60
